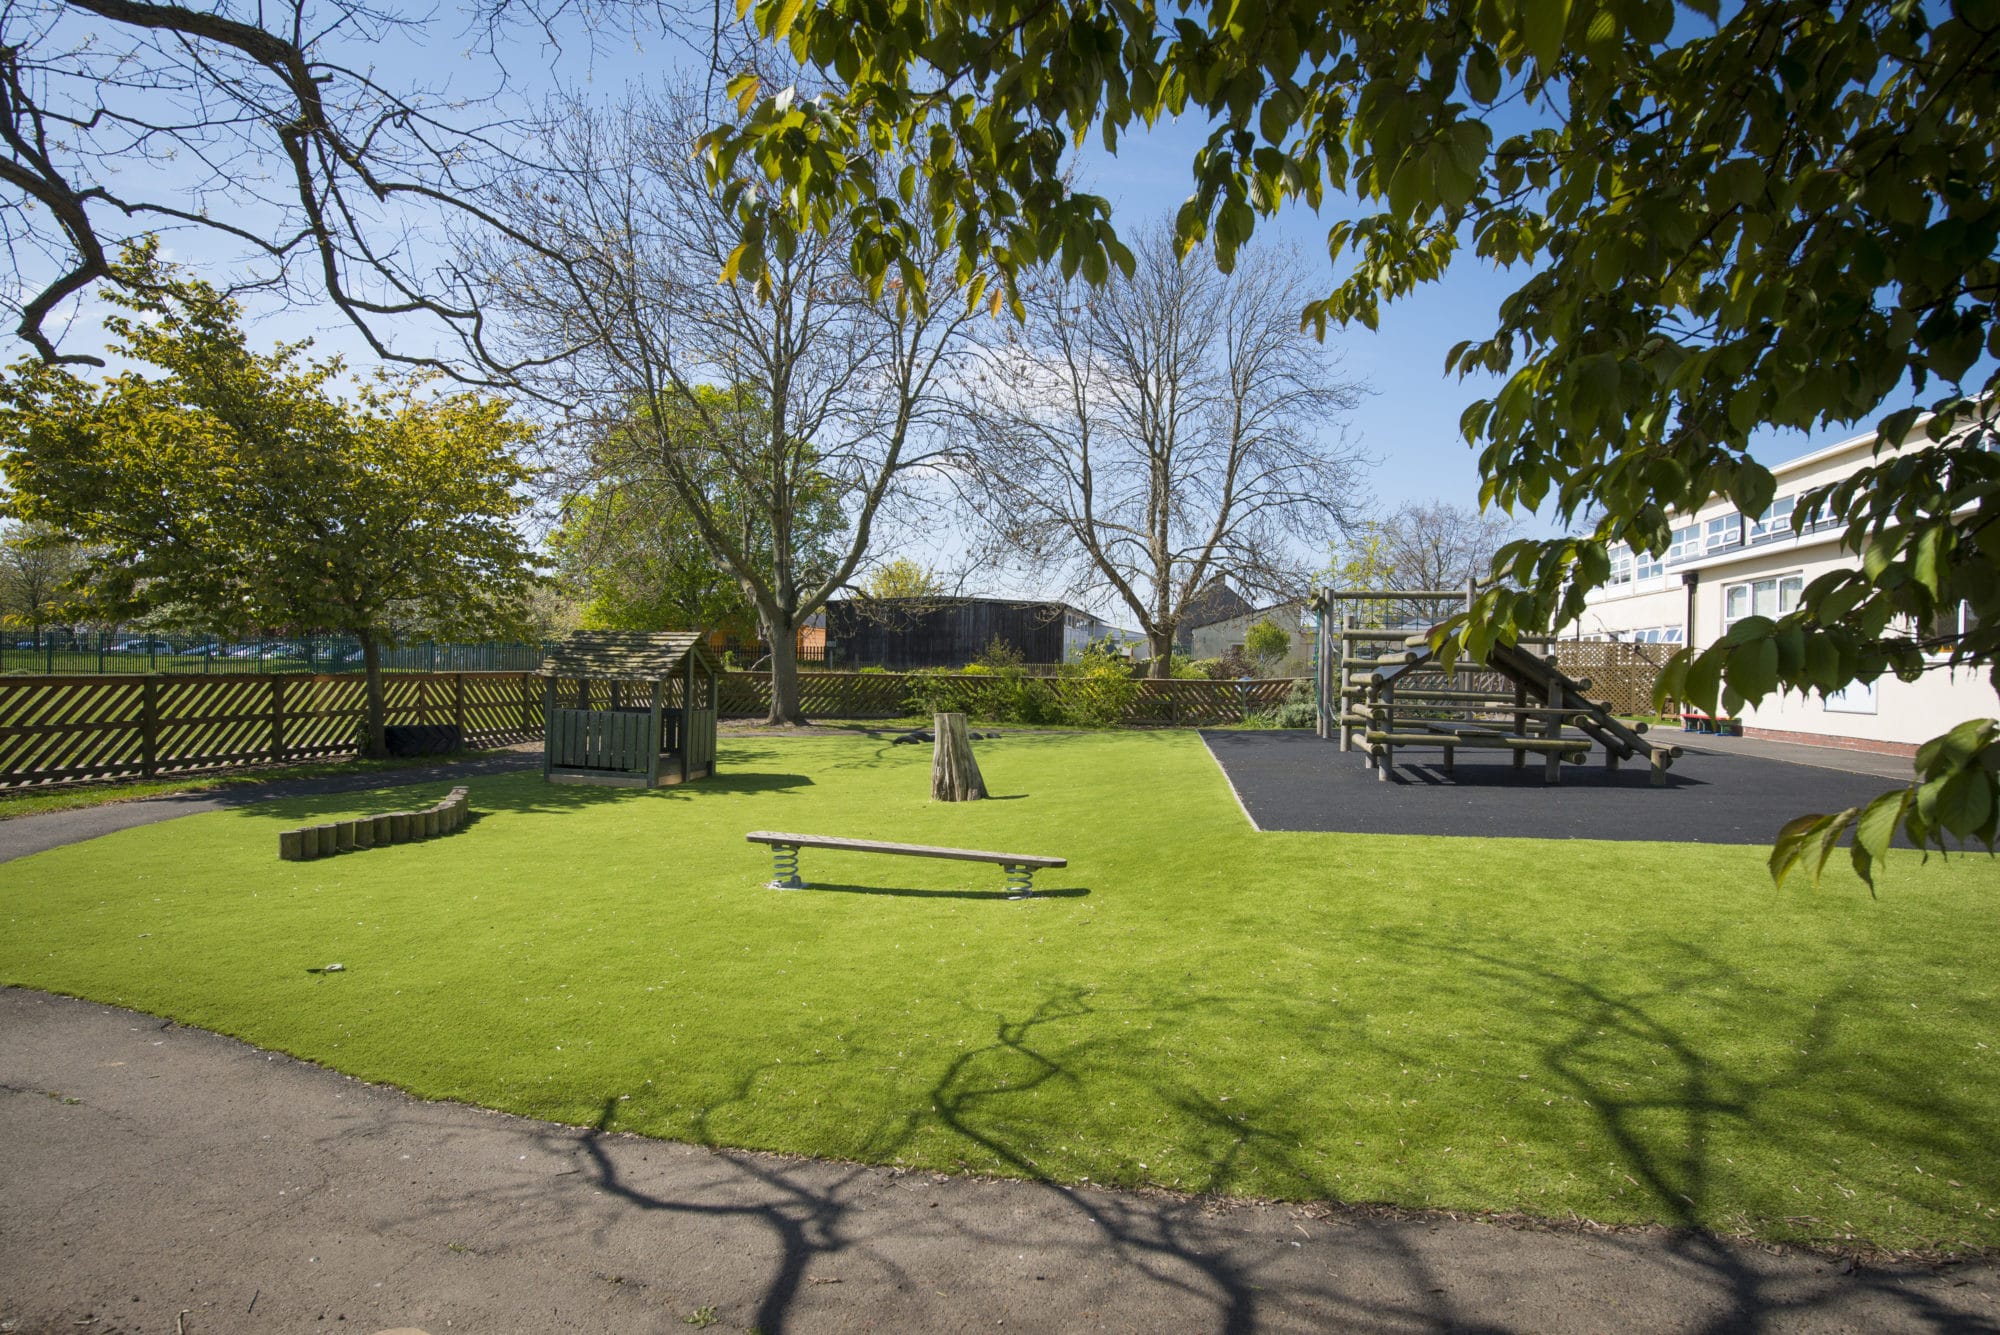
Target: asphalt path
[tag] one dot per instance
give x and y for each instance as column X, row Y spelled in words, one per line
column 161, row 1179
column 23, row 835
column 1291, row 780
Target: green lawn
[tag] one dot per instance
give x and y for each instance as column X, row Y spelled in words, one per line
column 1623, row 1031
column 70, row 796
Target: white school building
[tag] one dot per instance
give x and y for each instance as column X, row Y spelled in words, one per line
column 1724, row 565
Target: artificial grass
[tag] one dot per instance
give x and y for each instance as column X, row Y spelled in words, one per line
column 1625, row 1032
column 71, row 797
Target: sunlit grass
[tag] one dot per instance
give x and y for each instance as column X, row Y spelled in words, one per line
column 1623, row 1031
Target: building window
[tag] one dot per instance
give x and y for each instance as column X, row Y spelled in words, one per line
column 1775, row 521
column 1621, row 566
column 1941, row 634
column 1722, row 532
column 1686, row 544
column 1760, row 597
column 1646, row 567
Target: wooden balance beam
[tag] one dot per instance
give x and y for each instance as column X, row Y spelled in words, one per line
column 1020, row 867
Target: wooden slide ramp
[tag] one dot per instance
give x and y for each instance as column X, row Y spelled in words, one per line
column 1541, row 711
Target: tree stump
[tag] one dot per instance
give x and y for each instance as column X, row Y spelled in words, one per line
column 954, row 773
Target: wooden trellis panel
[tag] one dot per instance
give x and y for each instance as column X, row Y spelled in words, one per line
column 70, row 728
column 1621, row 674
column 866, row 695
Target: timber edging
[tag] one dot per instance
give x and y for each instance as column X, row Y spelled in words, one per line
column 394, row 827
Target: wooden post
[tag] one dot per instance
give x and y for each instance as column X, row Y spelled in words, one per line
column 687, row 716
column 149, row 726
column 458, row 705
column 714, row 714
column 1346, row 696
column 653, row 738
column 278, row 718
column 955, row 775
column 527, row 705
column 1552, row 697
column 548, row 722
column 1520, row 721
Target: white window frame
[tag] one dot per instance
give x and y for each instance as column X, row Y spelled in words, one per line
column 1749, row 589
column 1721, row 532
column 1621, row 567
column 1777, row 518
column 1961, row 623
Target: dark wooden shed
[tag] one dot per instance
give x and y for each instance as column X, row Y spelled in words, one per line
column 629, row 708
column 902, row 634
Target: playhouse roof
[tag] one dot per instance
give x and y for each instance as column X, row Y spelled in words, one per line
column 623, row 655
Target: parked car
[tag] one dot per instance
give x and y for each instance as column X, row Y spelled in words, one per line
column 143, row 647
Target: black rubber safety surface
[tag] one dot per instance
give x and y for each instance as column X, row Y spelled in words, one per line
column 1295, row 781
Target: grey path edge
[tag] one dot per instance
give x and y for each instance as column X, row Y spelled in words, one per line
column 21, row 836
column 152, row 1170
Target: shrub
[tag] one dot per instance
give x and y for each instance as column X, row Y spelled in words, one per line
column 1297, row 710
column 1268, row 643
column 1229, row 667
column 1097, row 692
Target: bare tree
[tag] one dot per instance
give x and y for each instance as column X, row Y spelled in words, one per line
column 1437, row 545
column 262, row 131
column 1145, row 439
column 754, row 409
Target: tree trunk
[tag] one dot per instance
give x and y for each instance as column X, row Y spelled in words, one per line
column 376, row 744
column 955, row 774
column 1161, row 642
column 785, row 676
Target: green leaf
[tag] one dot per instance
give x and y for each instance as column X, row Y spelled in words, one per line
column 1964, row 802
column 1482, row 74
column 780, row 25
column 1873, row 831
column 1543, row 23
column 1807, row 841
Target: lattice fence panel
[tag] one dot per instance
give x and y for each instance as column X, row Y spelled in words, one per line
column 323, row 716
column 875, row 695
column 1203, row 703
column 203, row 722
column 1621, row 674
column 66, row 728
column 744, row 695
column 501, row 707
column 71, row 727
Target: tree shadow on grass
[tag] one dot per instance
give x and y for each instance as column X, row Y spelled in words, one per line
column 1158, row 1251
column 1662, row 1097
column 912, row 892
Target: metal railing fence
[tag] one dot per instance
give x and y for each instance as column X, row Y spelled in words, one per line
column 99, row 654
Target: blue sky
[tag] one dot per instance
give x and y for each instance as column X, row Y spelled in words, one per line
column 1409, row 422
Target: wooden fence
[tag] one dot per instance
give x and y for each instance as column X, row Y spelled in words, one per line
column 74, row 728
column 56, row 729
column 876, row 695
column 1621, row 673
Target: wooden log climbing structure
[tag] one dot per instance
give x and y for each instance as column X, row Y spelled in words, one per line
column 1382, row 689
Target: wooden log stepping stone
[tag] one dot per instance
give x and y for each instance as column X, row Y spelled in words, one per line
column 394, row 827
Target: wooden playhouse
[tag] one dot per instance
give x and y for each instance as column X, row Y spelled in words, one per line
column 634, row 709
